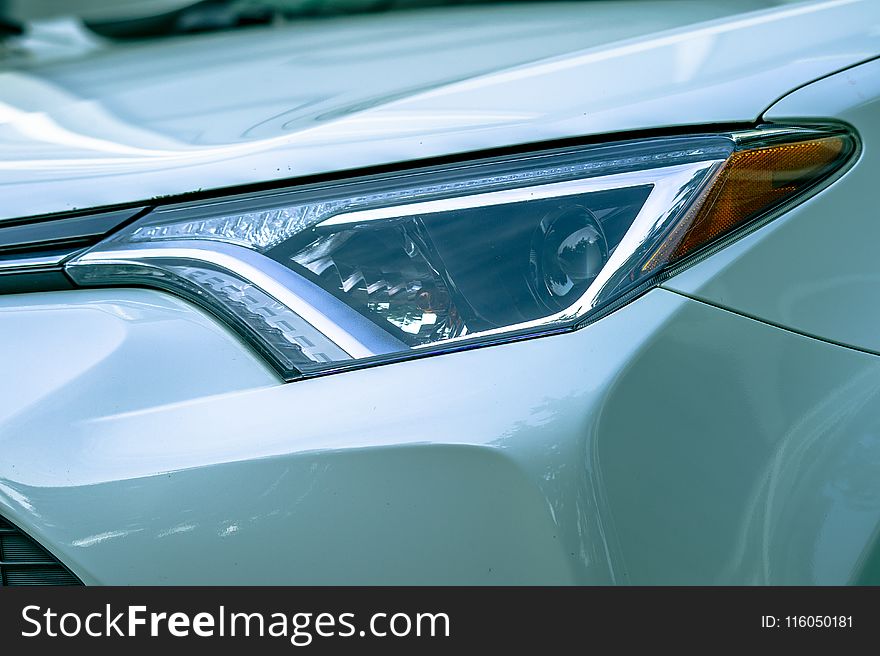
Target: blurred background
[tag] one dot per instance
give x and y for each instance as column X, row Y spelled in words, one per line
column 144, row 18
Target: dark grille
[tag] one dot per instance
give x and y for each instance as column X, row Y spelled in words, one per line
column 24, row 562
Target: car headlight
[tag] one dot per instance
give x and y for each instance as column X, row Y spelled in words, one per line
column 330, row 276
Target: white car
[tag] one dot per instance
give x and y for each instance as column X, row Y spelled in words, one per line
column 500, row 293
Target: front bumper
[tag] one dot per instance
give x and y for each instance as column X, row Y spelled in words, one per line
column 669, row 442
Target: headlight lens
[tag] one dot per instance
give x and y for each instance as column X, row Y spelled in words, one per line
column 333, row 276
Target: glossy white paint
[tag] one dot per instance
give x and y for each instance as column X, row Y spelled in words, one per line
column 815, row 269
column 260, row 105
column 105, row 342
column 665, row 443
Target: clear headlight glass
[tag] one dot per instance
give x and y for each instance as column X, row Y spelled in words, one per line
column 327, row 277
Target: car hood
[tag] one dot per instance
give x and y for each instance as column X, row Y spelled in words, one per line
column 102, row 124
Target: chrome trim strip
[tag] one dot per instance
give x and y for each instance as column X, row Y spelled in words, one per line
column 504, row 196
column 16, row 264
column 326, row 313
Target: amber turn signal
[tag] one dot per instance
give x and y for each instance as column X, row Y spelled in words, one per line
column 750, row 184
